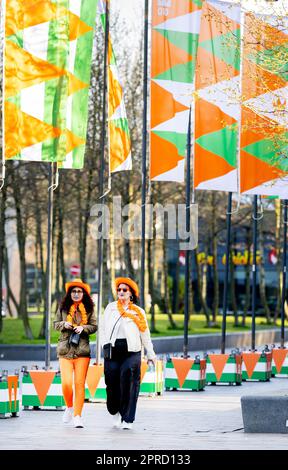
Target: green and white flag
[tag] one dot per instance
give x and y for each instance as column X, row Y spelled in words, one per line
column 48, row 49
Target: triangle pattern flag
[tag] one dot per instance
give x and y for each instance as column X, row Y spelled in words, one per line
column 217, row 92
column 143, row 370
column 48, row 49
column 175, row 32
column 12, row 388
column 264, row 130
column 218, row 362
column 82, row 20
column 42, row 381
column 279, row 356
column 119, row 142
column 94, row 375
column 182, row 367
column 250, row 360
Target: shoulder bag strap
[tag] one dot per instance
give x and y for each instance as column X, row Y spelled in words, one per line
column 114, row 327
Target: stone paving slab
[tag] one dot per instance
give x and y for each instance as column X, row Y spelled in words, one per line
column 180, row 420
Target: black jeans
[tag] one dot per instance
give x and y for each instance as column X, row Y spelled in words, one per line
column 122, row 379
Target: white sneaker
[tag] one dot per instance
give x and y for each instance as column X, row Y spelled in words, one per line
column 117, row 420
column 78, row 422
column 68, row 415
column 127, row 425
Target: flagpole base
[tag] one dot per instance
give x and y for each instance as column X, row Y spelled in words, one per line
column 185, row 374
column 279, row 362
column 42, row 390
column 95, row 388
column 152, row 381
column 224, row 368
column 257, row 366
column 9, row 397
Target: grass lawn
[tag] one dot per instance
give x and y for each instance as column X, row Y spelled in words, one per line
column 13, row 331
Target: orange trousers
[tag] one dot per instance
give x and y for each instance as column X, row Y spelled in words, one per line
column 80, row 367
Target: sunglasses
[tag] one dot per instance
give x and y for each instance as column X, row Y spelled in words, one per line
column 77, row 291
column 122, row 289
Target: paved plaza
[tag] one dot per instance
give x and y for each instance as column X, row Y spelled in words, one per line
column 210, row 419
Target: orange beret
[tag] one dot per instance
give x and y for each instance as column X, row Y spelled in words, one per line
column 129, row 282
column 78, row 283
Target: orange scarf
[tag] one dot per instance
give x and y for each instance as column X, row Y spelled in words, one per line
column 77, row 314
column 138, row 318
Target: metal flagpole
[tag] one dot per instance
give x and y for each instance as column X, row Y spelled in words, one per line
column 254, row 271
column 3, row 167
column 226, row 278
column 144, row 157
column 49, row 267
column 101, row 184
column 187, row 257
column 284, row 272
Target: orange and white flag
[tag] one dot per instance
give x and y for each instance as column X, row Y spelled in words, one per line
column 47, row 61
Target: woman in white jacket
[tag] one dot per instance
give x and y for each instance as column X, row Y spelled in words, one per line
column 123, row 331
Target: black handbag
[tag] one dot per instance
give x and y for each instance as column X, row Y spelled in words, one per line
column 74, row 339
column 107, row 348
column 107, row 351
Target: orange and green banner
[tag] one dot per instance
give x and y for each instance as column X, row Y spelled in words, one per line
column 264, row 132
column 48, row 50
column 175, row 32
column 119, row 142
column 217, row 93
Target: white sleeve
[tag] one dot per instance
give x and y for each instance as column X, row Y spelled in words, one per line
column 102, row 329
column 146, row 340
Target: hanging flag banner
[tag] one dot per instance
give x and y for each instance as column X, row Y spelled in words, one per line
column 217, row 97
column 119, row 142
column 120, row 157
column 48, row 47
column 175, row 31
column 264, row 133
column 82, row 23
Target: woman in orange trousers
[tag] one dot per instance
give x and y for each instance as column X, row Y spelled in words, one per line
column 76, row 321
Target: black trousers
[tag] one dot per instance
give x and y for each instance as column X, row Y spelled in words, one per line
column 122, row 379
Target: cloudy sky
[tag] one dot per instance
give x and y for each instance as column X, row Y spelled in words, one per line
column 132, row 10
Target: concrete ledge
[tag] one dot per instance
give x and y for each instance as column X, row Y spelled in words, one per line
column 213, row 341
column 164, row 345
column 25, row 352
column 265, row 414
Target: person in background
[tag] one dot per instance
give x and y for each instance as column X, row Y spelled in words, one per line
column 76, row 320
column 123, row 331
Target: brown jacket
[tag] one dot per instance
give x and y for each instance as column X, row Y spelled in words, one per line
column 64, row 349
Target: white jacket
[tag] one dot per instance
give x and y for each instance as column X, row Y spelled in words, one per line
column 135, row 339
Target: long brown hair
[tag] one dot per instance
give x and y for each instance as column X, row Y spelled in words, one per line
column 67, row 302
